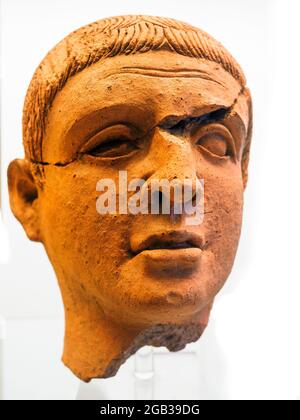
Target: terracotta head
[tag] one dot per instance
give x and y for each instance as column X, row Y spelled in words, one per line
column 156, row 99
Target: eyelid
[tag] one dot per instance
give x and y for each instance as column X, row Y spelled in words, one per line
column 217, row 128
column 107, row 134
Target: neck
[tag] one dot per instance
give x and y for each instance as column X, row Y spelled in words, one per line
column 95, row 347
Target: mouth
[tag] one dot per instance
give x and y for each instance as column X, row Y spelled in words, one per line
column 175, row 251
column 172, row 240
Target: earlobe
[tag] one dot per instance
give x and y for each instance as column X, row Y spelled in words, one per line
column 23, row 195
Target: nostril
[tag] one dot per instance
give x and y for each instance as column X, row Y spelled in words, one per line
column 160, row 201
column 147, row 175
column 160, row 197
column 194, row 200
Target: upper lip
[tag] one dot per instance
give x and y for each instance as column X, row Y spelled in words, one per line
column 168, row 240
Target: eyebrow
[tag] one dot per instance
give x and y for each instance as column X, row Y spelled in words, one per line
column 214, row 116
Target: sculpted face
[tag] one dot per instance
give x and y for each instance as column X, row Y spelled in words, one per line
column 133, row 279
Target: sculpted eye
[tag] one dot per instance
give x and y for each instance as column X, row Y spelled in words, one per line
column 113, row 148
column 112, row 142
column 214, row 144
column 215, row 139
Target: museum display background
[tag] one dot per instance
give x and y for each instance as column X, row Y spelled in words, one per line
column 253, row 342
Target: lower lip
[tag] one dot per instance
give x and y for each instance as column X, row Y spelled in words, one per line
column 172, row 259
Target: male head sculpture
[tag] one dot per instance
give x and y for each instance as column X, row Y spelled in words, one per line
column 159, row 99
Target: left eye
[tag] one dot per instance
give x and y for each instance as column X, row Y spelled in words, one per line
column 215, row 139
column 214, row 143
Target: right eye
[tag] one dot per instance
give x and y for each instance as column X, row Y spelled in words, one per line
column 113, row 148
column 113, row 142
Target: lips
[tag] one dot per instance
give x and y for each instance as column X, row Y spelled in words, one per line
column 175, row 251
column 171, row 240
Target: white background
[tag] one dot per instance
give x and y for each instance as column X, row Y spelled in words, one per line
column 251, row 348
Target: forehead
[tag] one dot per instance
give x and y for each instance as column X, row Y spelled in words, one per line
column 140, row 89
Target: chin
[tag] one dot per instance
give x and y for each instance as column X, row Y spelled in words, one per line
column 167, row 305
column 143, row 295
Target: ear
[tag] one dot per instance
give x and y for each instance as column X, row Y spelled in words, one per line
column 23, row 196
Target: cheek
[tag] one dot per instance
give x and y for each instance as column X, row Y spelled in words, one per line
column 82, row 245
column 223, row 219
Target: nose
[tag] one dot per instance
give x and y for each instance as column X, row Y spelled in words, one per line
column 173, row 161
